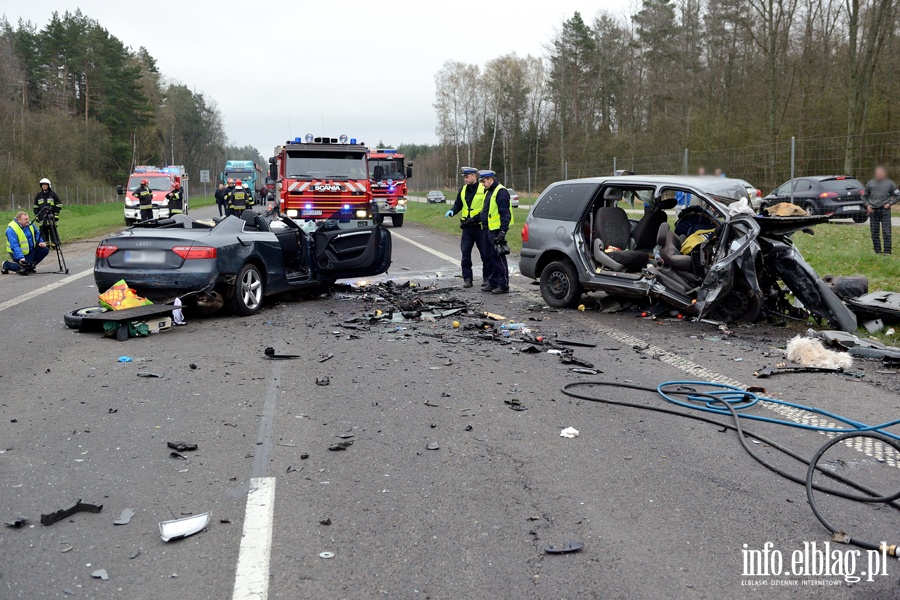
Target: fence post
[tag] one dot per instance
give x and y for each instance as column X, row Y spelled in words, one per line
column 529, row 180
column 685, row 161
column 615, row 168
column 793, row 154
column 566, row 171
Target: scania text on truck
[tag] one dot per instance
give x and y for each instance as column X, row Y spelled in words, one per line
column 162, row 181
column 321, row 178
column 248, row 172
column 388, row 173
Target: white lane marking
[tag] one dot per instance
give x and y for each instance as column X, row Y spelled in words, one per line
column 251, row 582
column 50, row 286
column 872, row 448
column 440, row 255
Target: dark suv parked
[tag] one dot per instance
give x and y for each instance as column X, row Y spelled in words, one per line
column 838, row 195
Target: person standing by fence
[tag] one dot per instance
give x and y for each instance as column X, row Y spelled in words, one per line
column 881, row 195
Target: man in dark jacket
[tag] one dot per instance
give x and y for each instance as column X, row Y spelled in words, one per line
column 229, row 189
column 496, row 218
column 468, row 205
column 220, row 199
column 881, row 195
column 47, row 201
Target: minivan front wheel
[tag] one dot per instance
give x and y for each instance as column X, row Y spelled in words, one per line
column 560, row 287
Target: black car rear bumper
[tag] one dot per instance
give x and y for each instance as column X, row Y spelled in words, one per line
column 193, row 276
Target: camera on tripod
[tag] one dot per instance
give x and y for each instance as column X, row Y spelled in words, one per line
column 47, row 217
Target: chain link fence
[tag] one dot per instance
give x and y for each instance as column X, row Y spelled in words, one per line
column 765, row 166
column 69, row 195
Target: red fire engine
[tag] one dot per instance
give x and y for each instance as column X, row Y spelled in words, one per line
column 387, row 175
column 323, row 178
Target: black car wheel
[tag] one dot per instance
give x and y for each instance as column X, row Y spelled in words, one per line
column 378, row 219
column 810, row 208
column 247, row 296
column 741, row 305
column 73, row 317
column 397, row 220
column 860, row 218
column 559, row 285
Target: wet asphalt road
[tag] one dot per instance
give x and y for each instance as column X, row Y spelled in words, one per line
column 662, row 505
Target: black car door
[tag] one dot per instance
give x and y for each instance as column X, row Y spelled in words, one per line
column 347, row 253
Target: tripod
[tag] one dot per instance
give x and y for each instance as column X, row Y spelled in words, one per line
column 47, row 217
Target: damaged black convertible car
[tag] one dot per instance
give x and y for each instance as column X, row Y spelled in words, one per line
column 237, row 261
column 715, row 260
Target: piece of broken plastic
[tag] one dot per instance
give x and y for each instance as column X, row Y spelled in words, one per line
column 270, row 354
column 125, row 517
column 569, row 432
column 570, row 547
column 124, row 359
column 77, row 506
column 182, row 528
column 100, row 574
column 181, row 446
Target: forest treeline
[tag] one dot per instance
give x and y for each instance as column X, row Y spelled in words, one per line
column 80, row 107
column 704, row 75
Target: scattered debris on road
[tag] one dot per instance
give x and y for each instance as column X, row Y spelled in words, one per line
column 63, row 513
column 324, row 381
column 809, row 352
column 100, row 574
column 16, row 523
column 569, row 432
column 326, row 554
column 125, row 517
column 181, row 446
column 177, row 529
column 270, row 354
column 149, row 375
column 570, row 547
column 432, row 446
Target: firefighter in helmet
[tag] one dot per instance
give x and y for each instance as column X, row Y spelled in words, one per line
column 229, row 188
column 176, row 200
column 238, row 200
column 46, row 204
column 145, row 199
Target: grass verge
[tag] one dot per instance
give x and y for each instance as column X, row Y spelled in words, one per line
column 85, row 221
column 845, row 249
column 432, row 216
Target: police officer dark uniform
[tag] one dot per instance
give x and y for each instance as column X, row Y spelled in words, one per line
column 176, row 200
column 468, row 205
column 145, row 199
column 496, row 219
column 46, row 200
column 229, row 188
column 237, row 199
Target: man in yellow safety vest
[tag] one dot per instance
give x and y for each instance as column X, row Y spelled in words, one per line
column 24, row 246
column 468, row 205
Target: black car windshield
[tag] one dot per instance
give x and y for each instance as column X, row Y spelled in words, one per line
column 840, row 185
column 382, row 169
column 326, row 165
column 157, row 184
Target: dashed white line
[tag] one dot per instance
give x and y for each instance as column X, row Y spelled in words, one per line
column 251, row 581
column 869, row 447
column 41, row 290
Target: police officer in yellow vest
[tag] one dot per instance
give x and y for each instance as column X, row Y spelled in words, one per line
column 24, row 246
column 496, row 219
column 238, row 199
column 469, row 201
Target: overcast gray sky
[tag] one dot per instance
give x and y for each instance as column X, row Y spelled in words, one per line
column 279, row 68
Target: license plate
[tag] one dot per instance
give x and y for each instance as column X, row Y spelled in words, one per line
column 147, row 257
column 311, row 213
column 854, row 207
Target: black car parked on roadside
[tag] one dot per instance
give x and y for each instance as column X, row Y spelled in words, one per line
column 839, row 196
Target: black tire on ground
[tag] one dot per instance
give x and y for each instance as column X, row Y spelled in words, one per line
column 810, row 208
column 397, row 220
column 130, row 222
column 860, row 218
column 246, row 297
column 560, row 287
column 378, row 219
column 72, row 318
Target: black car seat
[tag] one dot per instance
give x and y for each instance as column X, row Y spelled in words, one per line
column 261, row 223
column 670, row 253
column 612, row 228
column 645, row 232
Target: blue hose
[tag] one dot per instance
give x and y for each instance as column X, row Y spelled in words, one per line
column 740, row 399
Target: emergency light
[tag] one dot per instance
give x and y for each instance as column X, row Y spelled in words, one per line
column 343, row 139
column 309, row 138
